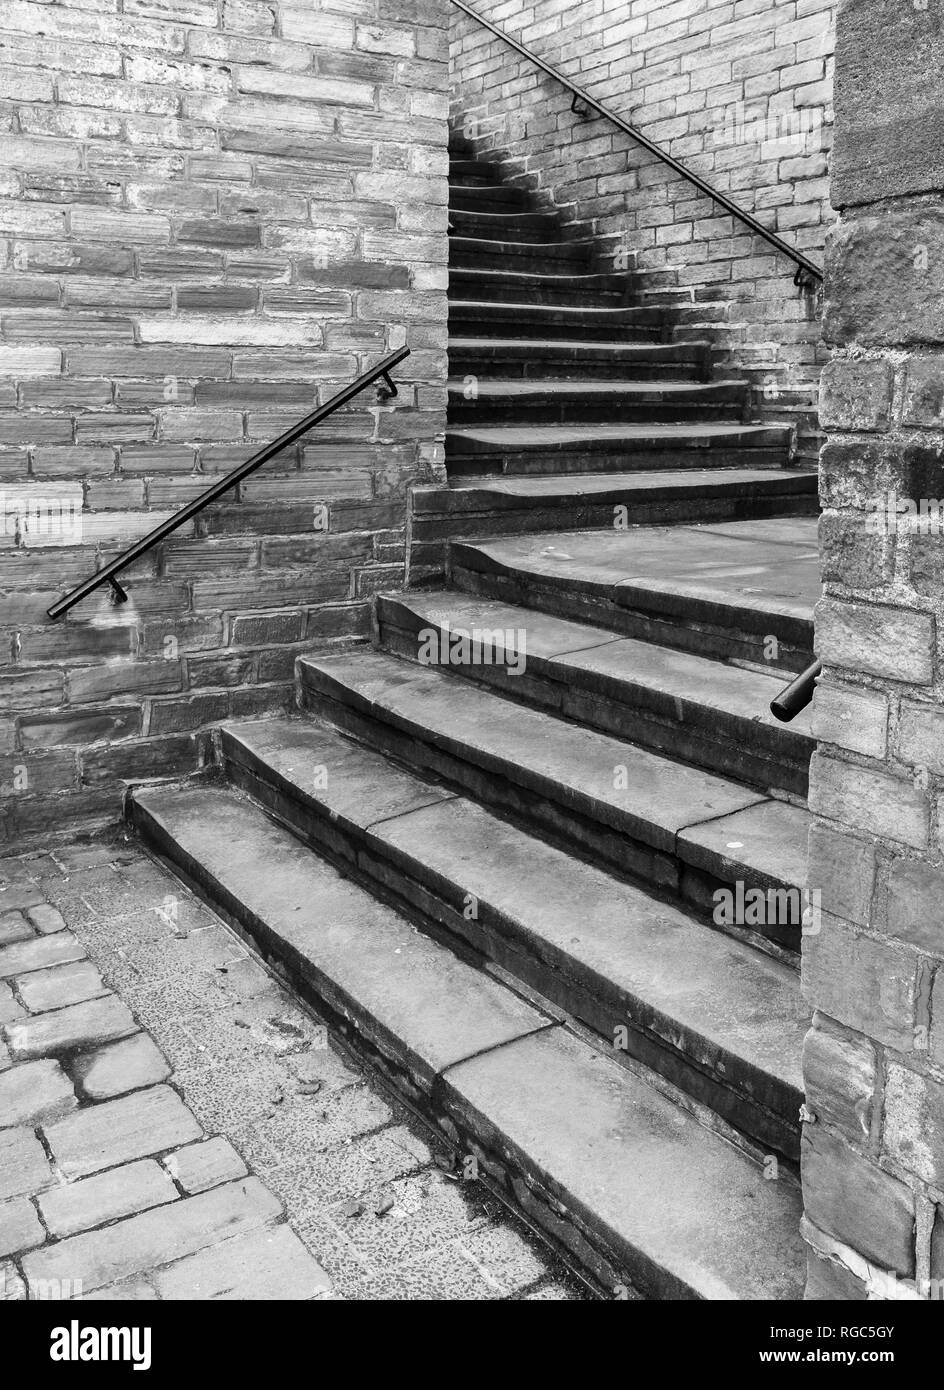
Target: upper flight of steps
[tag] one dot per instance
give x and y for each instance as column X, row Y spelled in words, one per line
column 580, row 392
column 492, row 847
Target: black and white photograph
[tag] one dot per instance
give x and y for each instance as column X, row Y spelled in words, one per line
column 471, row 674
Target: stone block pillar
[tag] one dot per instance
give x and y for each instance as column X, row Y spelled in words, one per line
column 873, row 1147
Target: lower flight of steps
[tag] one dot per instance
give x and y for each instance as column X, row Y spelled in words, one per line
column 510, row 909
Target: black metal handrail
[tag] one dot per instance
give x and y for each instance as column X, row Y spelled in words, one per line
column 803, row 264
column 797, row 695
column 107, row 574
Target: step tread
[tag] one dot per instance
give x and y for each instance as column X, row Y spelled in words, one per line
column 770, row 568
column 574, row 345
column 545, row 436
column 568, row 485
column 570, row 648
column 427, row 1002
column 689, row 1210
column 580, row 918
column 573, row 764
column 516, row 388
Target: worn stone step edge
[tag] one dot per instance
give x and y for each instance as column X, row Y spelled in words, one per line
column 623, row 838
column 715, row 1070
column 712, row 733
column 556, row 1173
column 714, row 627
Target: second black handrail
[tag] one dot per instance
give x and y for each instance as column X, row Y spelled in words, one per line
column 107, row 574
column 804, row 265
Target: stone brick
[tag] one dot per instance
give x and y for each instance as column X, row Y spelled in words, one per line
column 839, row 1076
column 849, row 1197
column 878, row 641
column 128, row 1065
column 34, row 1093
column 828, row 1281
column 889, row 135
column 155, row 1238
column 116, row 1131
column 20, row 1227
column 201, row 1166
column 265, row 1263
column 869, row 799
column 865, row 255
column 10, row 1008
column 61, row 985
column 853, row 719
column 121, row 1192
column 856, row 394
column 915, row 898
column 913, row 1125
column 14, row 927
column 45, row 918
column 64, row 1030
column 875, row 987
column 38, row 953
column 24, row 1166
column 923, row 399
column 842, row 869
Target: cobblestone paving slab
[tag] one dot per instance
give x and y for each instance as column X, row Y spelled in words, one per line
column 174, row 1125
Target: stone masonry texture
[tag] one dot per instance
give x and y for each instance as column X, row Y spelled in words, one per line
column 738, row 90
column 225, row 1148
column 873, row 972
column 213, row 215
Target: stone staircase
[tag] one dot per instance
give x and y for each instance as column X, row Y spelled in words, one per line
column 492, row 846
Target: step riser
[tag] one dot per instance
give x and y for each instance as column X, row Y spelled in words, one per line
column 486, row 198
column 604, row 291
column 551, row 411
column 704, row 628
column 585, row 457
column 505, row 226
column 539, row 258
column 533, row 321
column 604, row 837
column 765, row 756
column 539, row 364
column 759, row 1106
column 431, row 533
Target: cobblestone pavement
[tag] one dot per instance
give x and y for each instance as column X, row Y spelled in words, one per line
column 174, row 1125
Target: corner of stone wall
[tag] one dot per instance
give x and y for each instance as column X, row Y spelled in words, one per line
column 873, row 1137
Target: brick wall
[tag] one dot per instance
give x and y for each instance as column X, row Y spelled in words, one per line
column 874, row 1060
column 740, row 91
column 213, row 213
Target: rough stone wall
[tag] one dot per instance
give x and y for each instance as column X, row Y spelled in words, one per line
column 740, row 91
column 874, row 1061
column 213, row 214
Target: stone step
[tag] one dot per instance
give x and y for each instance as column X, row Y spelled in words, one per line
column 619, row 804
column 487, row 318
column 535, row 359
column 640, row 1191
column 508, row 224
column 699, row 711
column 599, row 448
column 734, row 591
column 482, row 252
column 502, row 506
column 545, row 286
column 607, row 400
column 717, row 1018
column 485, row 197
